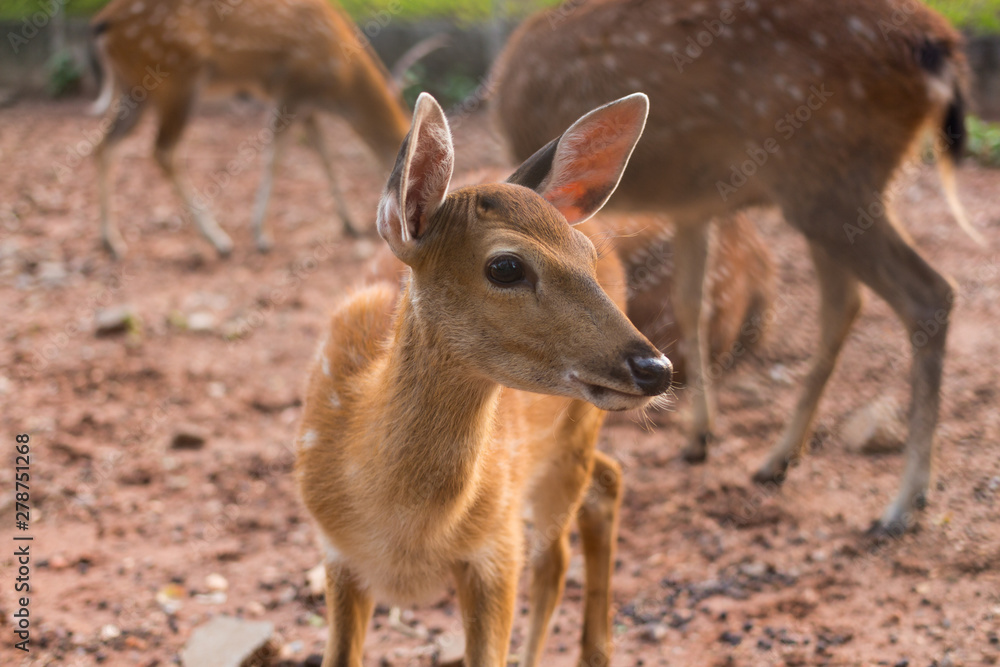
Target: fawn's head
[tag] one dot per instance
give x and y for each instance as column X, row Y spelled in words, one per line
column 503, row 281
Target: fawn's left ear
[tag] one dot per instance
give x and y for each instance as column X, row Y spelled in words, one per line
column 419, row 181
column 580, row 170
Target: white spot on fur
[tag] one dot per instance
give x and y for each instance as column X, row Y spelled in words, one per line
column 839, row 118
column 308, row 439
column 609, row 61
column 334, row 400
column 642, row 38
column 859, row 27
column 326, row 364
column 818, row 38
column 330, row 553
column 857, row 90
column 738, row 67
column 138, row 7
column 781, row 47
column 940, row 92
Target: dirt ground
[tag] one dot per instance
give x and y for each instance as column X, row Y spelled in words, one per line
column 711, row 570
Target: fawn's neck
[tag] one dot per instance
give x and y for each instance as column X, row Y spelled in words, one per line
column 439, row 414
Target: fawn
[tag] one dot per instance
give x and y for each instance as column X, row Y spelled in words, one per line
column 420, row 450
column 302, row 55
column 810, row 106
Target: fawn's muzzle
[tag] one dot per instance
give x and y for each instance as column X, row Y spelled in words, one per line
column 652, row 375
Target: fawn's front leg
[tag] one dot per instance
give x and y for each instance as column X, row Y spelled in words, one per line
column 349, row 608
column 487, row 594
column 598, row 521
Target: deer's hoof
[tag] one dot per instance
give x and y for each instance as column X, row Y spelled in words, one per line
column 115, row 246
column 883, row 533
column 771, row 474
column 697, row 450
column 264, row 244
column 223, row 246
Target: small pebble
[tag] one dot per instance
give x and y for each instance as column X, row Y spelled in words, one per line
column 216, row 582
column 731, row 638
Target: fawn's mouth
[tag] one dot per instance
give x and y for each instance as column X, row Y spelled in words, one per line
column 608, row 398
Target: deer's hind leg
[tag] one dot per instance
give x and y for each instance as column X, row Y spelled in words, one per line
column 316, row 140
column 121, row 119
column 840, row 303
column 174, row 113
column 882, row 258
column 691, row 256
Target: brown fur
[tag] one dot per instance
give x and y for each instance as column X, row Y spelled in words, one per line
column 417, row 456
column 302, row 55
column 739, row 285
column 888, row 71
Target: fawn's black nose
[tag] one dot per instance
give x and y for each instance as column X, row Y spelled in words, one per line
column 652, row 375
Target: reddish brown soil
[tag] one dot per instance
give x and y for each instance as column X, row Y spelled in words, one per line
column 117, row 515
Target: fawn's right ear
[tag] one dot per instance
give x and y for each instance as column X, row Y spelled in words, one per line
column 419, row 181
column 580, row 170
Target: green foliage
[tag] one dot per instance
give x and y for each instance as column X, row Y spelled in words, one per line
column 64, row 74
column 453, row 88
column 984, row 141
column 982, row 16
column 459, row 10
column 16, row 9
column 408, row 10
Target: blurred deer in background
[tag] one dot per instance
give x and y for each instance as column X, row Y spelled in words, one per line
column 809, row 105
column 302, row 55
column 739, row 285
column 413, row 459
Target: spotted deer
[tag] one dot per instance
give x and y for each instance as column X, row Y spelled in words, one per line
column 438, row 414
column 811, row 106
column 301, row 55
column 739, row 285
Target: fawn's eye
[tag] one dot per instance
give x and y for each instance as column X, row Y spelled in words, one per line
column 505, row 270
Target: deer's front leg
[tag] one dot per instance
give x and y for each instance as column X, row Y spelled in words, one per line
column 487, row 594
column 691, row 255
column 349, row 608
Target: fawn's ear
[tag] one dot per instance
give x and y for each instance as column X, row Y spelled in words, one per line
column 419, row 181
column 580, row 170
